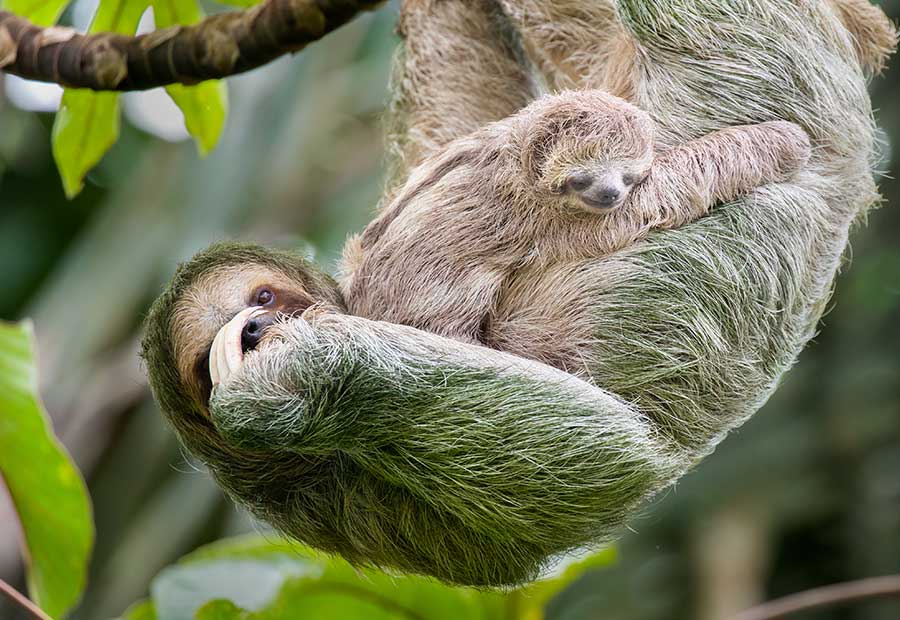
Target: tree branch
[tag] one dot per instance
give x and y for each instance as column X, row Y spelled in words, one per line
column 16, row 597
column 219, row 46
column 876, row 587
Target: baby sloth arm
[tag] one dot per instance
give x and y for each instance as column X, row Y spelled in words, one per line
column 688, row 180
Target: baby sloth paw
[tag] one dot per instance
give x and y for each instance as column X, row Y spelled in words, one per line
column 793, row 148
column 226, row 355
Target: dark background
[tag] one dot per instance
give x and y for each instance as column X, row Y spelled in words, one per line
column 807, row 493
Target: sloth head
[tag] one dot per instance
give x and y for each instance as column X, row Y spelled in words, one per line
column 205, row 294
column 587, row 150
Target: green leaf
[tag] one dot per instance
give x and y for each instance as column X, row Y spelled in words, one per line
column 221, row 610
column 256, row 578
column 87, row 123
column 269, row 580
column 40, row 12
column 120, row 16
column 142, row 610
column 205, row 105
column 180, row 590
column 86, row 126
column 240, row 3
column 533, row 600
column 47, row 490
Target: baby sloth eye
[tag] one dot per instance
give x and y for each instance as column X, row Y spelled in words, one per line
column 633, row 178
column 579, row 182
column 264, row 297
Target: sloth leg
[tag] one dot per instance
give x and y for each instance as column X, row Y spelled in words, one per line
column 874, row 35
column 461, row 66
column 688, row 180
column 576, row 43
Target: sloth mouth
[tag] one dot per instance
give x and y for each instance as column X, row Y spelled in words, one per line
column 601, row 205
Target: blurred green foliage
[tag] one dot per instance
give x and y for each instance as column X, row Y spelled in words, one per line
column 87, row 124
column 807, row 493
column 48, row 493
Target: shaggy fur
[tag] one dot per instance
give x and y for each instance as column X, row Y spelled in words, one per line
column 523, row 194
column 569, row 56
column 400, row 448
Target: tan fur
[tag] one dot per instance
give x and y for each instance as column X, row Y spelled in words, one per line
column 442, row 74
column 476, row 214
column 595, row 49
column 874, row 35
column 211, row 301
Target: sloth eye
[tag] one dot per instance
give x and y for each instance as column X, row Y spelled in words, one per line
column 264, row 297
column 579, row 182
column 633, row 178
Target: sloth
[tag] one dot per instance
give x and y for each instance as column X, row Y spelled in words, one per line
column 601, row 53
column 401, row 448
column 573, row 176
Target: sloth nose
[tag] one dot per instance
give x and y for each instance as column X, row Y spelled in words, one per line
column 253, row 331
column 603, row 196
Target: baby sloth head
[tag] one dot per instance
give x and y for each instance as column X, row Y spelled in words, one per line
column 588, row 149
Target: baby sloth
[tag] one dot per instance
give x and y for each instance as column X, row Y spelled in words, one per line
column 573, row 176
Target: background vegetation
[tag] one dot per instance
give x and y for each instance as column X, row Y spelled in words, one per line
column 805, row 494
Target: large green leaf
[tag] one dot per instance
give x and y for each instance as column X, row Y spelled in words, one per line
column 533, row 601
column 40, row 12
column 265, row 579
column 240, row 3
column 87, row 124
column 253, row 578
column 49, row 494
column 205, row 105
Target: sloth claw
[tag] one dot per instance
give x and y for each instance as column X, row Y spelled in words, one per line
column 226, row 355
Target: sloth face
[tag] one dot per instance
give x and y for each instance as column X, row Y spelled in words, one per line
column 225, row 314
column 603, row 186
column 591, row 149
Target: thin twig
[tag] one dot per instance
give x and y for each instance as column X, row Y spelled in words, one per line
column 221, row 45
column 876, row 587
column 16, row 597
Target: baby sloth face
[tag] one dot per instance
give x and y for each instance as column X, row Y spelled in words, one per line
column 592, row 150
column 603, row 186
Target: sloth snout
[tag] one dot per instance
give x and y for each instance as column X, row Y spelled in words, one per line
column 254, row 329
column 602, row 196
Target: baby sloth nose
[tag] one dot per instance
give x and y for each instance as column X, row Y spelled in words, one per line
column 602, row 196
column 253, row 331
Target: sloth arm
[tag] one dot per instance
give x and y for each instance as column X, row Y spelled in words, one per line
column 461, row 67
column 688, row 180
column 415, row 408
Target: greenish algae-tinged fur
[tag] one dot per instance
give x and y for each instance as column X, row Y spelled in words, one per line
column 402, row 449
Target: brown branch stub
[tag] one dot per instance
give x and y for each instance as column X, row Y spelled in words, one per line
column 219, row 46
column 19, row 599
column 876, row 587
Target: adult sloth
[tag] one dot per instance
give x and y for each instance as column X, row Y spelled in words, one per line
column 400, row 448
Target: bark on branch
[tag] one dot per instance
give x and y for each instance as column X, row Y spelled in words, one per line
column 217, row 47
